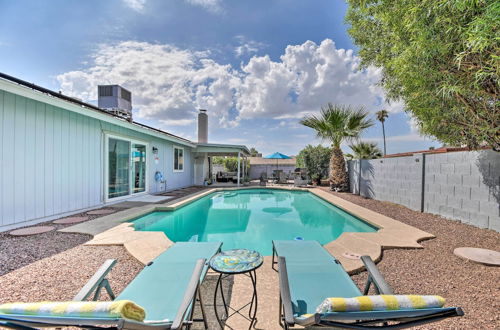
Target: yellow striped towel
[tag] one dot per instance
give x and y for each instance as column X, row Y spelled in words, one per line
column 89, row 309
column 379, row 303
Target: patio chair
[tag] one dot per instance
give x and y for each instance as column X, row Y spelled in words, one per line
column 282, row 178
column 263, row 179
column 308, row 274
column 300, row 181
column 167, row 288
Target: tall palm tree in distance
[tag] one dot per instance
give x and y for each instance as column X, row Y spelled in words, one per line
column 365, row 150
column 381, row 116
column 338, row 123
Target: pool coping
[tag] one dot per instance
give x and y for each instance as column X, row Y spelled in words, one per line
column 115, row 229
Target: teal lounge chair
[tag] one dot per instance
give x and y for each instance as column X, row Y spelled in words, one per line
column 308, row 274
column 167, row 288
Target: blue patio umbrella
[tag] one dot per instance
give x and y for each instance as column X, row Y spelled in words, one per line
column 277, row 156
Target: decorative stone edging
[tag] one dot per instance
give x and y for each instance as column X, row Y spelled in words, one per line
column 145, row 246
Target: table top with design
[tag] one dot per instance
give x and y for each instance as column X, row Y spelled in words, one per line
column 236, row 261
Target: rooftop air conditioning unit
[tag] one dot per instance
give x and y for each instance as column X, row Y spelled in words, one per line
column 116, row 100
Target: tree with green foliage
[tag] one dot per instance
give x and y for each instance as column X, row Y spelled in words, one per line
column 337, row 124
column 381, row 117
column 253, row 152
column 230, row 163
column 441, row 57
column 315, row 159
column 365, row 150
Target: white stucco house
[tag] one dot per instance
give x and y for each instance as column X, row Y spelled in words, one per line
column 60, row 155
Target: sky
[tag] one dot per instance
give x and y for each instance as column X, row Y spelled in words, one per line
column 256, row 66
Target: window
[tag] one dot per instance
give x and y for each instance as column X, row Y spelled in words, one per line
column 178, row 159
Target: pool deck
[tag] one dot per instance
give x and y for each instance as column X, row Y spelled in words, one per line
column 145, row 246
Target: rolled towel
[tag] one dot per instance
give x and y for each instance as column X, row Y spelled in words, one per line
column 379, row 303
column 88, row 309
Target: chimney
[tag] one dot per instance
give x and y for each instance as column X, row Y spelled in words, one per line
column 116, row 100
column 202, row 126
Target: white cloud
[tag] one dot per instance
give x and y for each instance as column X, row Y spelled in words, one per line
column 213, row 6
column 247, row 47
column 307, row 77
column 168, row 84
column 413, row 137
column 413, row 123
column 137, row 5
column 178, row 122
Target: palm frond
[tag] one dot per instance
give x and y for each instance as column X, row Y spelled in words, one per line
column 382, row 115
column 366, row 150
column 338, row 123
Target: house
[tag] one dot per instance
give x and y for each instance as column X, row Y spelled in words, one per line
column 61, row 156
column 259, row 165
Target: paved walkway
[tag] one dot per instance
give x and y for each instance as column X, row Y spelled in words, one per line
column 130, row 210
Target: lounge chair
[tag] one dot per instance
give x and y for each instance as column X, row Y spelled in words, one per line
column 308, row 274
column 167, row 288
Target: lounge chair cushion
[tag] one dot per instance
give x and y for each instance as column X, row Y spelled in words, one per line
column 379, row 303
column 105, row 309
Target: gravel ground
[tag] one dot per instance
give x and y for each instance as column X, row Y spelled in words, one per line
column 61, row 276
column 436, row 270
column 28, row 249
column 39, row 271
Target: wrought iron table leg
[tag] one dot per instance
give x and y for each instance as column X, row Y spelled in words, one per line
column 253, row 277
column 252, row 312
column 219, row 283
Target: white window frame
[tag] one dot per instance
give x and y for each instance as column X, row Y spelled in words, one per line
column 107, row 136
column 183, row 159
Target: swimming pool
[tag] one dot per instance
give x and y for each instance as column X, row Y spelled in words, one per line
column 252, row 218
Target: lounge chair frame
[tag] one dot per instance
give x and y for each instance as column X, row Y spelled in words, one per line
column 99, row 281
column 359, row 320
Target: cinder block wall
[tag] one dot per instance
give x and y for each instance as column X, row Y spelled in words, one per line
column 353, row 170
column 458, row 185
column 397, row 180
column 464, row 186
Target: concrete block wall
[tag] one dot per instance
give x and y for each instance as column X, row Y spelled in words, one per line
column 354, row 175
column 397, row 180
column 458, row 185
column 464, row 186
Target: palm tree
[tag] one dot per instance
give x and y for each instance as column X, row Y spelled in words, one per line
column 366, row 150
column 338, row 123
column 381, row 116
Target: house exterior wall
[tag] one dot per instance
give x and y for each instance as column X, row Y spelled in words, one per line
column 458, row 185
column 52, row 161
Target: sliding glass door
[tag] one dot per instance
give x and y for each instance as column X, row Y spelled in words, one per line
column 126, row 167
column 119, row 163
column 139, row 167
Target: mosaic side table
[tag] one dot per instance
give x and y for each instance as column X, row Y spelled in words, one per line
column 234, row 262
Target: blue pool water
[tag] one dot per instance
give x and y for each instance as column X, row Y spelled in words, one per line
column 252, row 218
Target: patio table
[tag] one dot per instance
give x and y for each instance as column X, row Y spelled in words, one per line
column 235, row 262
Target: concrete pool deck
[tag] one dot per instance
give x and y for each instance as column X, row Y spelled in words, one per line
column 145, row 246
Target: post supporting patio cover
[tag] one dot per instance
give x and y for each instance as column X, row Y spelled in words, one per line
column 239, row 168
